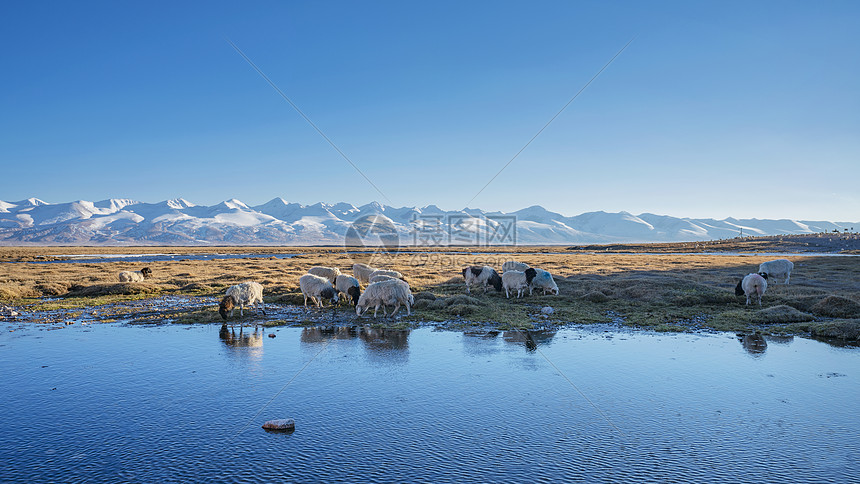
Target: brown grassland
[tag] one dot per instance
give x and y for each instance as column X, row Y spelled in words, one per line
column 663, row 290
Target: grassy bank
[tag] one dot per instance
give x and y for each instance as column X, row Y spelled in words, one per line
column 660, row 291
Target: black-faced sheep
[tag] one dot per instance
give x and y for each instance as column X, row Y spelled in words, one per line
column 317, row 288
column 362, row 272
column 543, row 280
column 393, row 292
column 349, row 287
column 517, row 281
column 485, row 276
column 135, row 276
column 752, row 285
column 329, row 273
column 244, row 294
column 780, row 268
column 513, row 265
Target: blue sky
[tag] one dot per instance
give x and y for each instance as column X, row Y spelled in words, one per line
column 717, row 109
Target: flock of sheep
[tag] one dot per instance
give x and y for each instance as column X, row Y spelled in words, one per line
column 516, row 276
column 385, row 288
column 754, row 284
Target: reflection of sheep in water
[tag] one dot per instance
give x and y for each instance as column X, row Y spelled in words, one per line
column 241, row 340
column 135, row 276
column 385, row 293
column 752, row 285
column 754, row 344
column 244, row 294
column 780, row 268
column 317, row 288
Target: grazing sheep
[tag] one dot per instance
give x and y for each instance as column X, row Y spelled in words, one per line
column 780, row 268
column 385, row 293
column 317, row 288
column 384, row 272
column 543, row 280
column 135, row 276
column 244, row 294
column 362, row 272
column 482, row 275
column 349, row 287
column 752, row 285
column 513, row 265
column 329, row 273
column 517, row 281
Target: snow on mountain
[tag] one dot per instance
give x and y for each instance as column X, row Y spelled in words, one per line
column 278, row 222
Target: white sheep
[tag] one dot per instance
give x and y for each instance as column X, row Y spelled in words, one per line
column 482, row 275
column 543, row 280
column 517, row 281
column 362, row 272
column 317, row 288
column 780, row 268
column 513, row 265
column 135, row 276
column 385, row 272
column 244, row 294
column 752, row 285
column 329, row 273
column 385, row 293
column 349, row 287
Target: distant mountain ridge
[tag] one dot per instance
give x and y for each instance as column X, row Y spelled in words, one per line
column 278, row 222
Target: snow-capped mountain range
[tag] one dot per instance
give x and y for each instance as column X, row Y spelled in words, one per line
column 278, row 222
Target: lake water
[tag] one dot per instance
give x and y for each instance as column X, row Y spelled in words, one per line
column 114, row 403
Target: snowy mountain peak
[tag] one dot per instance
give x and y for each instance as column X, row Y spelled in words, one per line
column 179, row 203
column 123, row 221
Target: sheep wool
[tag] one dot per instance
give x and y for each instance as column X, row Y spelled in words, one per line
column 329, row 273
column 513, row 265
column 317, row 288
column 135, row 276
column 245, row 294
column 753, row 285
column 780, row 268
column 385, row 293
column 362, row 272
column 485, row 276
column 349, row 287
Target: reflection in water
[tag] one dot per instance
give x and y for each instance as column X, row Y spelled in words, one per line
column 390, row 345
column 531, row 338
column 780, row 340
column 251, row 340
column 480, row 342
column 753, row 343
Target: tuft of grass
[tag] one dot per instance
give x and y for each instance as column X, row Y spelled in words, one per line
column 837, row 307
column 844, row 329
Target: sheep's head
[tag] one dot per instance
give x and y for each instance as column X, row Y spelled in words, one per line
column 530, row 275
column 147, row 272
column 495, row 280
column 739, row 291
column 354, row 293
column 329, row 293
column 227, row 304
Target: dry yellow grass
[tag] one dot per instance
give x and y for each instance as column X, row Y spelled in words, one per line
column 642, row 289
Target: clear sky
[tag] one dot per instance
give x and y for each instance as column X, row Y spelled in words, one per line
column 717, row 109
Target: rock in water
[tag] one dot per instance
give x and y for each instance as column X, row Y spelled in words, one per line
column 280, row 424
column 547, row 310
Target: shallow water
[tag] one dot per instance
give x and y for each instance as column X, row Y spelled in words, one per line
column 111, row 403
